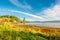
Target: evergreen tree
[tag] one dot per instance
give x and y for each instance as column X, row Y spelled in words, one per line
column 24, row 20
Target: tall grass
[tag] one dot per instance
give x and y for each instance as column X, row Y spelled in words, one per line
column 19, row 35
column 9, row 33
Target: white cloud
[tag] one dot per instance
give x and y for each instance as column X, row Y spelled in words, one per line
column 28, row 14
column 34, row 17
column 52, row 13
column 17, row 3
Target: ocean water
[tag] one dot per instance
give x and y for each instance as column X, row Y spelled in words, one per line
column 46, row 24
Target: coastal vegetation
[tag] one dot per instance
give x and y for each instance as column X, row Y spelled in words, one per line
column 9, row 30
column 9, row 18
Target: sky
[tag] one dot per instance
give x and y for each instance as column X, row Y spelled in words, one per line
column 32, row 10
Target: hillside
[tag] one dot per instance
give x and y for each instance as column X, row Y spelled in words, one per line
column 11, row 31
column 9, row 18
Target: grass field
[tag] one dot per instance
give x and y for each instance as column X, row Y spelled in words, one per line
column 12, row 31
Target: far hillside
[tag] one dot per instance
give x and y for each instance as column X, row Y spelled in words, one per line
column 9, row 18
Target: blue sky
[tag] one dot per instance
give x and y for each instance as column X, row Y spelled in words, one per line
column 33, row 10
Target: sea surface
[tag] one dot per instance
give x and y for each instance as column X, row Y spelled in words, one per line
column 57, row 24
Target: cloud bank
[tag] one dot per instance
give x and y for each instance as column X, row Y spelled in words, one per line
column 52, row 13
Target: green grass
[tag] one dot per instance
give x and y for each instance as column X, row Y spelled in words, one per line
column 21, row 35
column 15, row 35
column 8, row 33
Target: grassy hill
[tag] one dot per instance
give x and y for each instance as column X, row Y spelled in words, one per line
column 12, row 31
column 9, row 18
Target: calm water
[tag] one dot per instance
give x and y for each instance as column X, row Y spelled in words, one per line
column 46, row 24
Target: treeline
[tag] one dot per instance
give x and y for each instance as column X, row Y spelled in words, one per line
column 9, row 18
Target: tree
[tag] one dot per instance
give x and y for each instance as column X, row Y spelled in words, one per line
column 24, row 20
